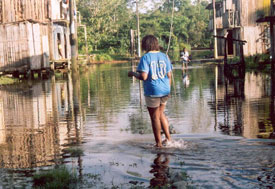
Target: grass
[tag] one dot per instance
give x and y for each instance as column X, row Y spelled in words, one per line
column 5, row 80
column 61, row 177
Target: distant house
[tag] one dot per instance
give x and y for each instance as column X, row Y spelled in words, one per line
column 237, row 19
column 33, row 34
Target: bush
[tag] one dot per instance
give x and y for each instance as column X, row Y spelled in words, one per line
column 259, row 61
column 103, row 57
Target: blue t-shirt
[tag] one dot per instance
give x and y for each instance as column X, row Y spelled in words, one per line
column 156, row 65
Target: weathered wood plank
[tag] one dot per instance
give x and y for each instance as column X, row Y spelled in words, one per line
column 12, row 11
column 1, row 11
column 6, row 13
column 2, row 36
column 22, row 42
column 36, row 63
column 19, row 10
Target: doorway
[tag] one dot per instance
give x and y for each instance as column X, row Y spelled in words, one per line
column 230, row 45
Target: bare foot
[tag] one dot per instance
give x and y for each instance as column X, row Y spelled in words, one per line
column 165, row 142
column 158, row 145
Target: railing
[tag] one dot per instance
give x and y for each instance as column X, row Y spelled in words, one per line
column 219, row 24
column 231, row 19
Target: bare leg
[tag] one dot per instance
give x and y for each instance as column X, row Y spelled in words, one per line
column 156, row 124
column 164, row 122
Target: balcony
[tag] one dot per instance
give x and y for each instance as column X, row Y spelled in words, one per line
column 231, row 19
column 219, row 24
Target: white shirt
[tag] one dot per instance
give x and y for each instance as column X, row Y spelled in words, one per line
column 185, row 55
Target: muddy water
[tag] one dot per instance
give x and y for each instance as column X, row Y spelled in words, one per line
column 223, row 130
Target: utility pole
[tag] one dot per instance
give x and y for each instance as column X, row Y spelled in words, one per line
column 138, row 32
column 215, row 30
column 73, row 32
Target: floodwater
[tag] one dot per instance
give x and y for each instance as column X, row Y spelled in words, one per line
column 223, row 130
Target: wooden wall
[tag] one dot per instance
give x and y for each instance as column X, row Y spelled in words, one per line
column 27, row 33
column 24, row 45
column 20, row 10
column 13, row 45
column 249, row 30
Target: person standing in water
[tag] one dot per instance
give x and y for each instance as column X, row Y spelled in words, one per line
column 185, row 58
column 155, row 70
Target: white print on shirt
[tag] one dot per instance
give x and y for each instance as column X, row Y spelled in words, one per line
column 158, row 69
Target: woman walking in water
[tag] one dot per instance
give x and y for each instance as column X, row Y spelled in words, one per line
column 154, row 69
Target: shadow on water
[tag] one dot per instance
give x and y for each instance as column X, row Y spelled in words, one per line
column 160, row 169
column 224, row 127
column 164, row 176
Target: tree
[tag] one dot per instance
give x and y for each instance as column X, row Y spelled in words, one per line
column 104, row 20
column 109, row 22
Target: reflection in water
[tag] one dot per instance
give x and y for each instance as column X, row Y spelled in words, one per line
column 241, row 106
column 185, row 78
column 99, row 110
column 160, row 170
column 272, row 101
column 36, row 121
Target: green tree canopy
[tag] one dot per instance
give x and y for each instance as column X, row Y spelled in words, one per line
column 109, row 22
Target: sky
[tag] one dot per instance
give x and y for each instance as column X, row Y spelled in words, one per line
column 153, row 4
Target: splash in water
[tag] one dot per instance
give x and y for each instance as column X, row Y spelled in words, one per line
column 180, row 144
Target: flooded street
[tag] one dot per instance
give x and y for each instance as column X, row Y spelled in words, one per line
column 223, row 130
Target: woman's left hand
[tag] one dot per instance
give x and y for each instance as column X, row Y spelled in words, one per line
column 130, row 74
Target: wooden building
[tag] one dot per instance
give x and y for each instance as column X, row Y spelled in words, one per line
column 237, row 19
column 33, row 34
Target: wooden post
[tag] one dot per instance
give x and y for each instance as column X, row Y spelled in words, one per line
column 73, row 33
column 225, row 52
column 132, row 42
column 138, row 32
column 216, row 96
column 272, row 103
column 272, row 49
column 242, row 67
column 242, row 54
column 215, row 30
column 86, row 43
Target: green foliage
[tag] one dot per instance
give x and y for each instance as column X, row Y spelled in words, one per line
column 259, row 62
column 104, row 21
column 184, row 45
column 109, row 23
column 55, row 178
column 202, row 54
column 103, row 57
column 4, row 80
column 234, row 60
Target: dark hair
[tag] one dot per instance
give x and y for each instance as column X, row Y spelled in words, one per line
column 150, row 43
